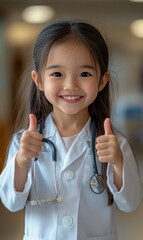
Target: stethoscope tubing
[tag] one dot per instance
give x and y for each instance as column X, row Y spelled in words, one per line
column 96, row 182
column 93, row 149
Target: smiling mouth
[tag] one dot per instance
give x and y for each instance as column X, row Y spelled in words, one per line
column 71, row 99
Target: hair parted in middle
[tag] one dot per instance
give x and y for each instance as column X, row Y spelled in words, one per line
column 92, row 38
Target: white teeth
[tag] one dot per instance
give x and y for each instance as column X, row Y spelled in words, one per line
column 70, row 98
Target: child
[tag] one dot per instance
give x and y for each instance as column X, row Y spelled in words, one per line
column 70, row 91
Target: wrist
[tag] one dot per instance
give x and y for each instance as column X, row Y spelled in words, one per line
column 119, row 161
column 118, row 165
column 118, row 173
column 21, row 173
column 20, row 162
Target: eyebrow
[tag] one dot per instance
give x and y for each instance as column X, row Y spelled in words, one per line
column 88, row 66
column 53, row 66
column 60, row 66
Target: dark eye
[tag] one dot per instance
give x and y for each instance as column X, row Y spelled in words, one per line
column 57, row 74
column 85, row 74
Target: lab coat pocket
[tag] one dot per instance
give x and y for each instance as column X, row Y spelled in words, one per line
column 106, row 237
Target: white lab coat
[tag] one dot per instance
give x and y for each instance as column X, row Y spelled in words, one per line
column 83, row 215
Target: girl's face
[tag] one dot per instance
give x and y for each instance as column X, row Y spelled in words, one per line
column 70, row 79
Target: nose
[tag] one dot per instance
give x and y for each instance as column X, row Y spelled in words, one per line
column 71, row 83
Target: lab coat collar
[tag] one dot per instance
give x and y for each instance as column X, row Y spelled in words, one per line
column 81, row 143
column 51, row 129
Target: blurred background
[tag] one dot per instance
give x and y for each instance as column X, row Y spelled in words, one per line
column 121, row 23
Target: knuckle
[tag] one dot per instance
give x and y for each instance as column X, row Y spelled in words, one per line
column 100, row 159
column 41, row 144
column 99, row 153
column 39, row 150
column 114, row 139
column 98, row 139
column 40, row 136
column 26, row 133
column 97, row 146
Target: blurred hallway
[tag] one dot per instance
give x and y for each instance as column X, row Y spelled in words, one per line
column 113, row 18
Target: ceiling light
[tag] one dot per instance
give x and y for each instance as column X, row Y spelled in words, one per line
column 20, row 34
column 137, row 28
column 38, row 14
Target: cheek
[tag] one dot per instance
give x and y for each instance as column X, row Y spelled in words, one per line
column 92, row 90
column 50, row 88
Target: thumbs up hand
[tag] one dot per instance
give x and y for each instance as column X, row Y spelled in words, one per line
column 30, row 143
column 107, row 146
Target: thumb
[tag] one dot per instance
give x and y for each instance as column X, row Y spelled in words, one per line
column 107, row 126
column 32, row 122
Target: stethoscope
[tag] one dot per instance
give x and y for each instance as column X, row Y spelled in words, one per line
column 96, row 182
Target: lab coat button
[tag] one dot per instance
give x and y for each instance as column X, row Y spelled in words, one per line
column 67, row 220
column 68, row 175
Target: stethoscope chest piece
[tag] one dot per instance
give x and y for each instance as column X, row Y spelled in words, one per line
column 97, row 183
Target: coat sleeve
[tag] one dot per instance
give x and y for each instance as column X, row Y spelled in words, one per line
column 130, row 195
column 12, row 199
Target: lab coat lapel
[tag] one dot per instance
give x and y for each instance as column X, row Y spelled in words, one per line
column 75, row 152
column 80, row 145
column 61, row 149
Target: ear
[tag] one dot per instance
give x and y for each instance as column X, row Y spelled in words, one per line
column 105, row 78
column 36, row 79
